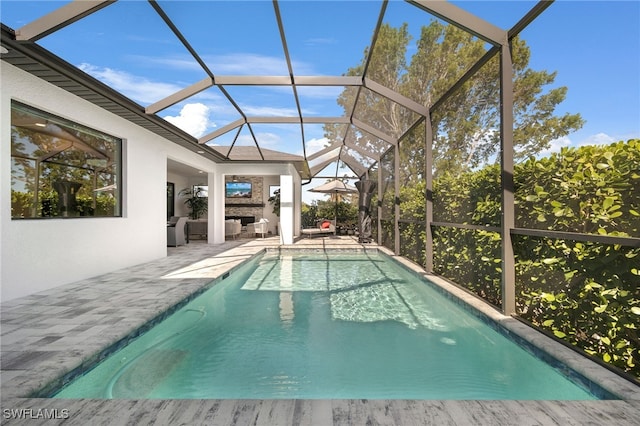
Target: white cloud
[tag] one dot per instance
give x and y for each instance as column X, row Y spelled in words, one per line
column 555, row 146
column 137, row 88
column 248, row 64
column 315, row 145
column 566, row 142
column 145, row 92
column 597, row 139
column 320, row 92
column 178, row 63
column 255, row 64
column 312, row 145
column 231, row 64
column 268, row 139
column 265, row 139
column 193, row 119
column 268, row 111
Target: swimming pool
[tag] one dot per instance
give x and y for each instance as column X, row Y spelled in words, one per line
column 328, row 325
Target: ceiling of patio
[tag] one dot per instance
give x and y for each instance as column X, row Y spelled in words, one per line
column 260, row 74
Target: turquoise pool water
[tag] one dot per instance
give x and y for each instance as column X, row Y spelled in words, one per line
column 341, row 325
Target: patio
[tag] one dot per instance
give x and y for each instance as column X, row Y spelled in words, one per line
column 44, row 90
column 46, row 335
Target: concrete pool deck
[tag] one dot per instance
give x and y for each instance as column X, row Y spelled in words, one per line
column 47, row 335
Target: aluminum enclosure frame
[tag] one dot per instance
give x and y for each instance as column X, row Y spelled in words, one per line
column 25, row 53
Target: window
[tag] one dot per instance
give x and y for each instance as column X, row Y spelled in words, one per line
column 61, row 169
column 201, row 191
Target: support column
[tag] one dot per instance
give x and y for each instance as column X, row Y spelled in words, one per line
column 396, row 199
column 379, row 204
column 428, row 165
column 286, row 209
column 215, row 211
column 506, row 161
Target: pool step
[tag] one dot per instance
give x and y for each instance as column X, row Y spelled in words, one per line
column 145, row 373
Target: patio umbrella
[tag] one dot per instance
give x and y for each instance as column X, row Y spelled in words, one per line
column 335, row 187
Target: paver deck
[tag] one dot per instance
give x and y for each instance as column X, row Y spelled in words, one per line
column 46, row 335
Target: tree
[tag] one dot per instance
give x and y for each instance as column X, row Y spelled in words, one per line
column 467, row 123
column 386, row 68
column 344, row 212
column 309, row 214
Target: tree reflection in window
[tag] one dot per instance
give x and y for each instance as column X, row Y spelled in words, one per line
column 61, row 169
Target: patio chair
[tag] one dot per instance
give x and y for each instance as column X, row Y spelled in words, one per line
column 261, row 227
column 176, row 233
column 232, row 228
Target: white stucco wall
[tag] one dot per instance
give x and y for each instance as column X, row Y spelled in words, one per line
column 180, row 183
column 41, row 254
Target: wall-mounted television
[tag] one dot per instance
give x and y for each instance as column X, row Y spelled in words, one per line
column 238, row 190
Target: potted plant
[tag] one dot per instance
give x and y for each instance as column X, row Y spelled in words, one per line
column 274, row 200
column 196, row 200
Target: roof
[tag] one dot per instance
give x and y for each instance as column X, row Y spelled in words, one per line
column 253, row 153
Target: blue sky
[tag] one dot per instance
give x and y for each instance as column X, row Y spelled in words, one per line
column 595, row 49
column 593, row 45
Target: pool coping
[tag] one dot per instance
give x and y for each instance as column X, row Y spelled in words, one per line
column 87, row 324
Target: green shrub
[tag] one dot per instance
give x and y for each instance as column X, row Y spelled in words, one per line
column 587, row 294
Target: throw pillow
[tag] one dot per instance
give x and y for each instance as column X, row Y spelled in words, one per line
column 325, row 225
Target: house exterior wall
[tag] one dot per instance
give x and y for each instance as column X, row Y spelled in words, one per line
column 39, row 254
column 180, row 183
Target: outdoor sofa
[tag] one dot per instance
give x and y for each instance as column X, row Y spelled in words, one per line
column 324, row 227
